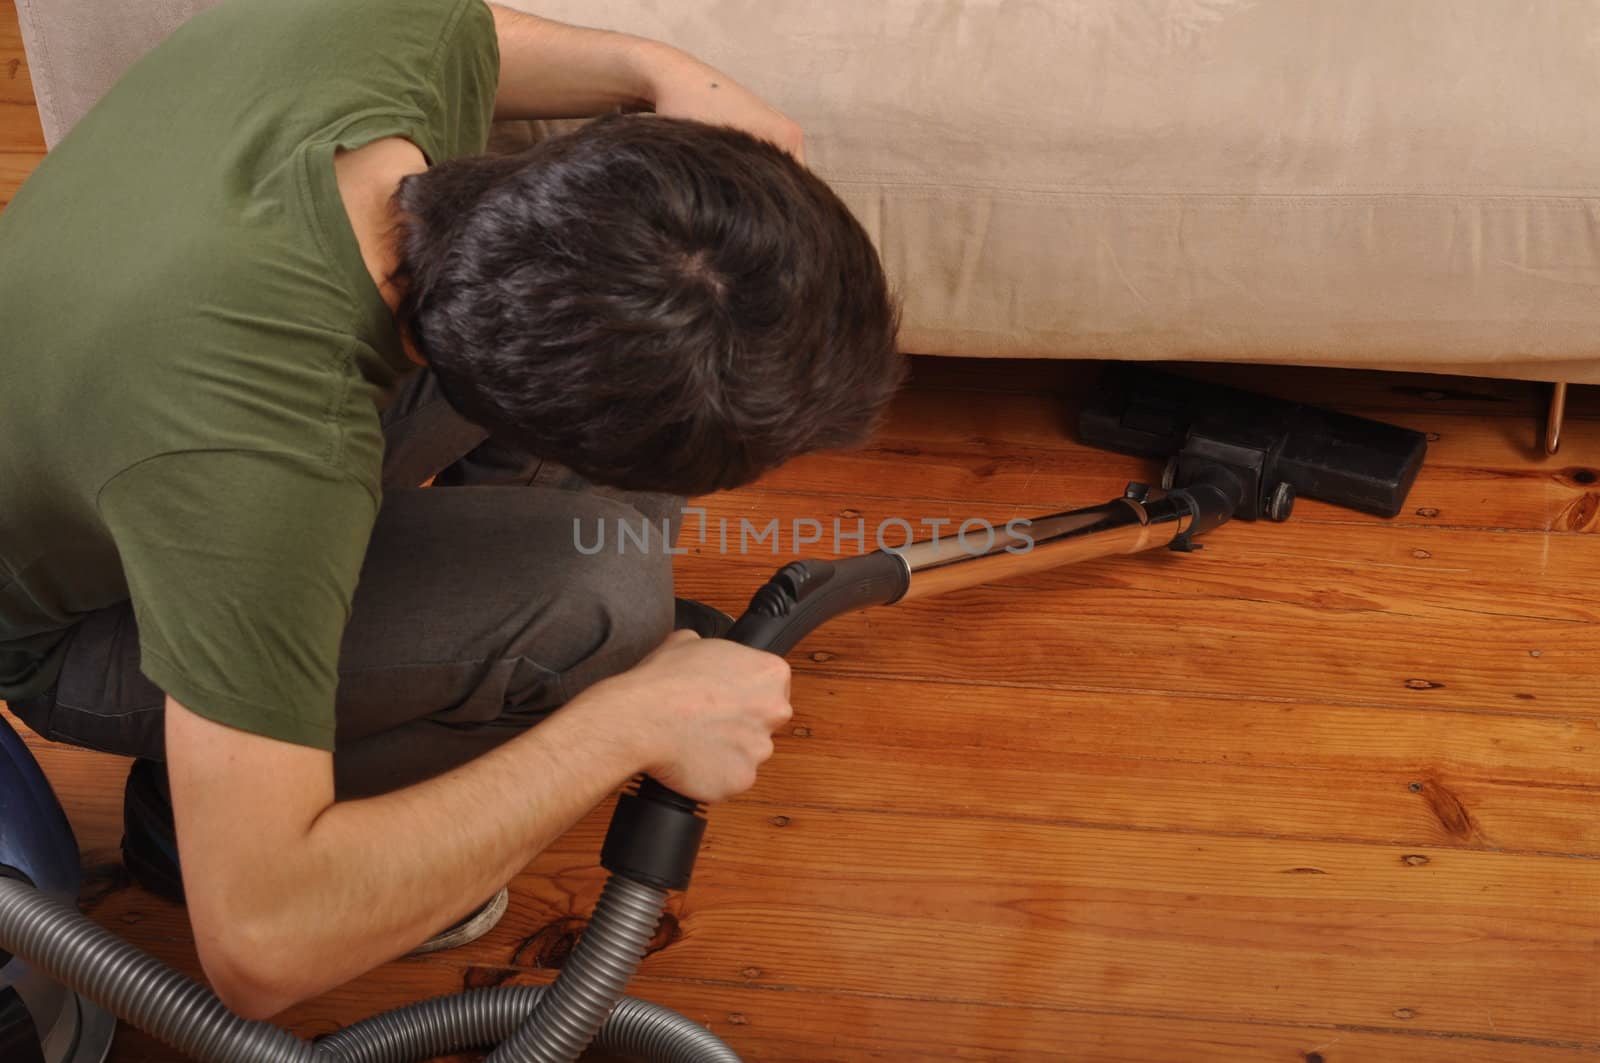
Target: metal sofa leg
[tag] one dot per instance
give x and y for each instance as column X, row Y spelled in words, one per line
column 1553, row 419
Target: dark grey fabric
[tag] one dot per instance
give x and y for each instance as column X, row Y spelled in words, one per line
column 476, row 614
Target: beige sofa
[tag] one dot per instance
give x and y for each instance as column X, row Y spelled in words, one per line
column 1405, row 184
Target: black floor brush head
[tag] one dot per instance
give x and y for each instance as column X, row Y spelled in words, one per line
column 1334, row 457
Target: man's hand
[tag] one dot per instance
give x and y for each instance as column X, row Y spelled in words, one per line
column 686, row 88
column 551, row 70
column 702, row 711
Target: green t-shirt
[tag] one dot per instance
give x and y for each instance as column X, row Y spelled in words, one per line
column 193, row 355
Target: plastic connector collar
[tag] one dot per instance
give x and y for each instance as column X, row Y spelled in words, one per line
column 654, row 836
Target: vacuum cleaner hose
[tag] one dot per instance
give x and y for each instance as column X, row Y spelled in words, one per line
column 593, row 978
column 66, row 945
column 637, row 1029
column 63, row 943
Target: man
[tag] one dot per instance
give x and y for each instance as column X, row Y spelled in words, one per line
column 214, row 549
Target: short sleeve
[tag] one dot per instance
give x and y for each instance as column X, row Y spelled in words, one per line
column 462, row 85
column 241, row 567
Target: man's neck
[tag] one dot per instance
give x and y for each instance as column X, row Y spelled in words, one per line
column 367, row 180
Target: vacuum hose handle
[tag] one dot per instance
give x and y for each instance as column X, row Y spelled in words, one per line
column 655, row 832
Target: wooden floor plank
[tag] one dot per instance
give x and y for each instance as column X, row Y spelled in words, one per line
column 1117, row 641
column 793, row 1027
column 1242, row 930
column 14, row 169
column 16, row 86
column 19, row 128
column 1038, row 756
column 19, row 118
column 1133, row 920
column 21, row 139
column 846, row 714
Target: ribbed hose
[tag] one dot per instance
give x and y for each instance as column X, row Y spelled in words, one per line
column 592, row 980
column 637, row 1029
column 60, row 941
column 474, row 1019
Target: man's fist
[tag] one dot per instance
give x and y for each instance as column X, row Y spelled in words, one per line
column 702, row 712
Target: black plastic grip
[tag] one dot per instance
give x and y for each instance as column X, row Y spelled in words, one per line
column 803, row 595
column 655, row 832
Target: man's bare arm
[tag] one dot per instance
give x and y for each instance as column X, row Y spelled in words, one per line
column 291, row 894
column 552, row 70
column 549, row 69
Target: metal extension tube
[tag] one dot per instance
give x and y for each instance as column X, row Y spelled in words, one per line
column 1122, row 526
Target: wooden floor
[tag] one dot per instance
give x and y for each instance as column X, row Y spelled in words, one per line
column 1324, row 792
column 21, row 141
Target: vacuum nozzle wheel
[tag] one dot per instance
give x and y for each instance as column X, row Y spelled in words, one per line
column 1280, row 502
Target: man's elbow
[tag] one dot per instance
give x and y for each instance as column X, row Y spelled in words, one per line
column 253, row 973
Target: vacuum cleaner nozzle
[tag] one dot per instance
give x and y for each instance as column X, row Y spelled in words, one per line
column 1266, row 443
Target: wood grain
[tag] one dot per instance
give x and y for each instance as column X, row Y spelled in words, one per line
column 15, row 84
column 21, row 139
column 14, row 169
column 1324, row 792
column 1114, row 642
column 1091, row 919
column 1188, row 764
column 19, row 119
column 19, row 129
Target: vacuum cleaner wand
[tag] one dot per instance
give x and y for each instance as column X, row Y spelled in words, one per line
column 655, row 833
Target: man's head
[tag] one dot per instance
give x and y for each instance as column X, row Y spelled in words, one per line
column 657, row 304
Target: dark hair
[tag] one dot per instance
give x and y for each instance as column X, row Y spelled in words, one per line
column 655, row 303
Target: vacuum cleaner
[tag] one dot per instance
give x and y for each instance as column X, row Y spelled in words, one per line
column 1230, row 455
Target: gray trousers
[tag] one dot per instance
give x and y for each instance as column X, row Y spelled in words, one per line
column 475, row 616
